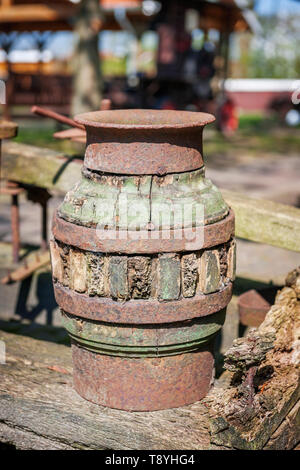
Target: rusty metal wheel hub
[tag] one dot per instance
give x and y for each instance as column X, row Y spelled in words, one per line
column 143, row 260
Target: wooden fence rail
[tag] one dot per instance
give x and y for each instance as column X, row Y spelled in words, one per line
column 258, row 220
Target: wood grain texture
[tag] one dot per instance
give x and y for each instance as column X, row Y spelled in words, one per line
column 254, row 405
column 265, row 221
column 39, row 408
column 39, row 166
column 8, row 129
column 261, row 410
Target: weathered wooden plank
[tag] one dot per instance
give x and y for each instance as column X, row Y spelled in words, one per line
column 38, row 166
column 256, row 219
column 287, row 436
column 37, row 399
column 98, row 279
column 169, row 277
column 139, row 277
column 26, row 439
column 39, row 408
column 78, row 270
column 209, row 272
column 118, row 277
column 262, row 409
column 8, row 129
column 265, row 221
column 189, row 274
column 25, row 271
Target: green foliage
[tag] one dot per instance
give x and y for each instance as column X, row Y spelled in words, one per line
column 112, row 66
column 275, row 54
column 276, row 66
column 257, row 122
column 43, row 137
column 35, row 136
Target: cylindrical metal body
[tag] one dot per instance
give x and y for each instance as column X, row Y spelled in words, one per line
column 143, row 260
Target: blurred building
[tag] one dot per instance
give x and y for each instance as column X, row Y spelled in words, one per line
column 178, row 63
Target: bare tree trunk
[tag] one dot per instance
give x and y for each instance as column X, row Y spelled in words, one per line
column 87, row 77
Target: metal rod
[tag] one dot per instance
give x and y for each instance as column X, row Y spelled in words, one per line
column 58, row 117
column 105, row 105
column 15, row 226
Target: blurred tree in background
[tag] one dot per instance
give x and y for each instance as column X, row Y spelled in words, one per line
column 87, row 81
column 275, row 53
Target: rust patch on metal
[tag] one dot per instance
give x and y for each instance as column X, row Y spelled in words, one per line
column 141, row 328
column 144, row 142
column 158, row 340
column 254, row 305
column 179, row 240
column 149, row 384
column 153, row 158
column 140, row 311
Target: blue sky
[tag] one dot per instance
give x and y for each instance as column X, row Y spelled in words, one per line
column 269, row 7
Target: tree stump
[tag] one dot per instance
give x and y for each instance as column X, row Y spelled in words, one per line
column 260, row 408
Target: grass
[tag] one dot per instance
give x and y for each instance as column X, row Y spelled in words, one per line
column 38, row 137
column 255, row 122
column 42, row 136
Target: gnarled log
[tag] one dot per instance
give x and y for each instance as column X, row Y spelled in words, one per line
column 256, row 410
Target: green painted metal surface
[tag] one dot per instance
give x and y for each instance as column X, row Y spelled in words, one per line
column 132, row 203
column 150, row 340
